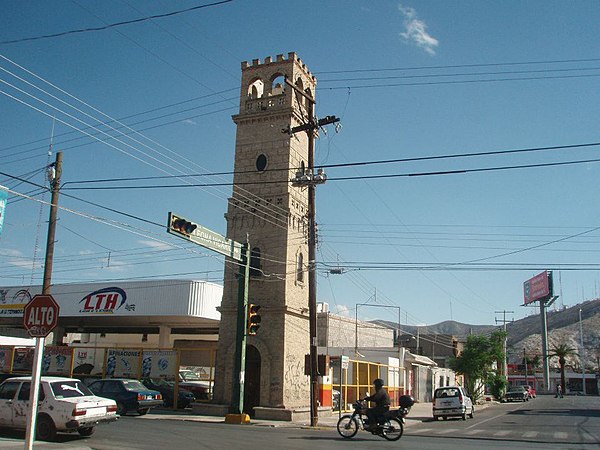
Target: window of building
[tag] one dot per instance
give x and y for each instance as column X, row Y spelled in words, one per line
column 261, row 163
column 300, row 268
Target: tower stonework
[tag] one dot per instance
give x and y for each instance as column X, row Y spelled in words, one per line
column 271, row 214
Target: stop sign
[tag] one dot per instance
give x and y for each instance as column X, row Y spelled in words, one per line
column 40, row 315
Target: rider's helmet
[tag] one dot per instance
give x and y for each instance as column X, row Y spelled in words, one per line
column 378, row 383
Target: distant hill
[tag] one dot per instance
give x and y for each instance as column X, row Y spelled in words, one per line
column 461, row 330
column 524, row 335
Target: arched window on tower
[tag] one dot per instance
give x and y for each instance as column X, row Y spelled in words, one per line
column 256, row 89
column 300, row 268
column 278, row 85
column 308, row 103
column 255, row 268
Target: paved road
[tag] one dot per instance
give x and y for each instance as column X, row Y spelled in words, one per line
column 544, row 423
column 570, row 420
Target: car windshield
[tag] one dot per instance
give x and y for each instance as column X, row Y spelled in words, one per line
column 134, row 385
column 441, row 393
column 190, row 376
column 69, row 389
column 158, row 382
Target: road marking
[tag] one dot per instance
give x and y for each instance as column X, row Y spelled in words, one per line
column 472, row 432
column 448, row 431
column 530, row 434
column 423, row 430
column 502, row 433
column 561, row 435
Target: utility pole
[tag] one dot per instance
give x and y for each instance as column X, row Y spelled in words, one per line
column 504, row 322
column 54, row 173
column 582, row 354
column 310, row 180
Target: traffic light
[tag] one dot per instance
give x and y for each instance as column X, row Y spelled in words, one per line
column 180, row 225
column 253, row 322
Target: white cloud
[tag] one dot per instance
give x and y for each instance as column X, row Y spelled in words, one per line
column 343, row 310
column 190, row 122
column 416, row 30
column 156, row 245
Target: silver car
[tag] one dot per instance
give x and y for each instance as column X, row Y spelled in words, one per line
column 452, row 401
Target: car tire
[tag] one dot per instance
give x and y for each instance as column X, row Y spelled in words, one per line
column 86, row 431
column 143, row 411
column 121, row 409
column 464, row 416
column 472, row 415
column 45, row 429
column 445, row 417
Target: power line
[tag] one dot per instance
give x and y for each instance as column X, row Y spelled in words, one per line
column 362, row 177
column 436, row 83
column 360, row 163
column 464, row 74
column 266, row 208
column 113, row 25
column 458, row 66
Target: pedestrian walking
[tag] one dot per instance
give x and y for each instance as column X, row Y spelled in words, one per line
column 559, row 393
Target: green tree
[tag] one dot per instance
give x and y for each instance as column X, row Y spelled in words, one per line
column 477, row 360
column 562, row 351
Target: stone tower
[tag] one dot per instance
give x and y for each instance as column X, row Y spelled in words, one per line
column 272, row 213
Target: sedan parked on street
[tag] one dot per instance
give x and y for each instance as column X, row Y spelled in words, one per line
column 167, row 389
column 64, row 404
column 130, row 395
column 516, row 394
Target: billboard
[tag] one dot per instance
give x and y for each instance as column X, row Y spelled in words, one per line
column 538, row 288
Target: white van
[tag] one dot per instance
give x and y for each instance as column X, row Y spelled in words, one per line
column 452, row 401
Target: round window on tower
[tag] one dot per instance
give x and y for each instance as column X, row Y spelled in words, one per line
column 261, row 163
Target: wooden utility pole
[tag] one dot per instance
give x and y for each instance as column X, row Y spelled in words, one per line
column 310, row 180
column 54, row 173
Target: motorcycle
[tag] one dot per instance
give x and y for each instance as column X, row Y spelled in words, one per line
column 390, row 427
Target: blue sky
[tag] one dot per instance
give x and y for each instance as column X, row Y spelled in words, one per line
column 408, row 80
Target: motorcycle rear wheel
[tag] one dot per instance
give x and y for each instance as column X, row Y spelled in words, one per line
column 347, row 426
column 392, row 429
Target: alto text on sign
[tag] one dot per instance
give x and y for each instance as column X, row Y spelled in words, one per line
column 40, row 315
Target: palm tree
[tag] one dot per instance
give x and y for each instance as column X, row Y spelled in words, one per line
column 562, row 351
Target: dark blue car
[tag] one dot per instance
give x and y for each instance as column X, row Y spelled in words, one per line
column 167, row 389
column 130, row 395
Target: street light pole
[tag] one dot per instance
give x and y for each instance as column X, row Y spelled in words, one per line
column 582, row 353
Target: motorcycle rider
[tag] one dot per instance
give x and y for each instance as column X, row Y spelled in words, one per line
column 382, row 404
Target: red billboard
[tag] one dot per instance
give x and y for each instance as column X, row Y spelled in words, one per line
column 538, row 288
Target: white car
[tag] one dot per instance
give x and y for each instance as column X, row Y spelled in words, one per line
column 65, row 404
column 452, row 401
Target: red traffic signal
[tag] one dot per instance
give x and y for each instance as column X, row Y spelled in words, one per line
column 182, row 226
column 253, row 322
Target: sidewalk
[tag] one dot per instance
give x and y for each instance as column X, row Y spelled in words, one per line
column 420, row 412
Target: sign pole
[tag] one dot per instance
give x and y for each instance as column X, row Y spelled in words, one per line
column 193, row 232
column 240, row 344
column 546, row 373
column 54, row 173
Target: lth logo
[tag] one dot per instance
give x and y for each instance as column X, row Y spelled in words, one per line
column 103, row 301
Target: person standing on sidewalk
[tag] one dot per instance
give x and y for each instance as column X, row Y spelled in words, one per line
column 559, row 393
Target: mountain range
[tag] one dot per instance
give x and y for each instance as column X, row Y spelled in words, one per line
column 524, row 335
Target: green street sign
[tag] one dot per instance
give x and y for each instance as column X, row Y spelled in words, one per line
column 186, row 229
